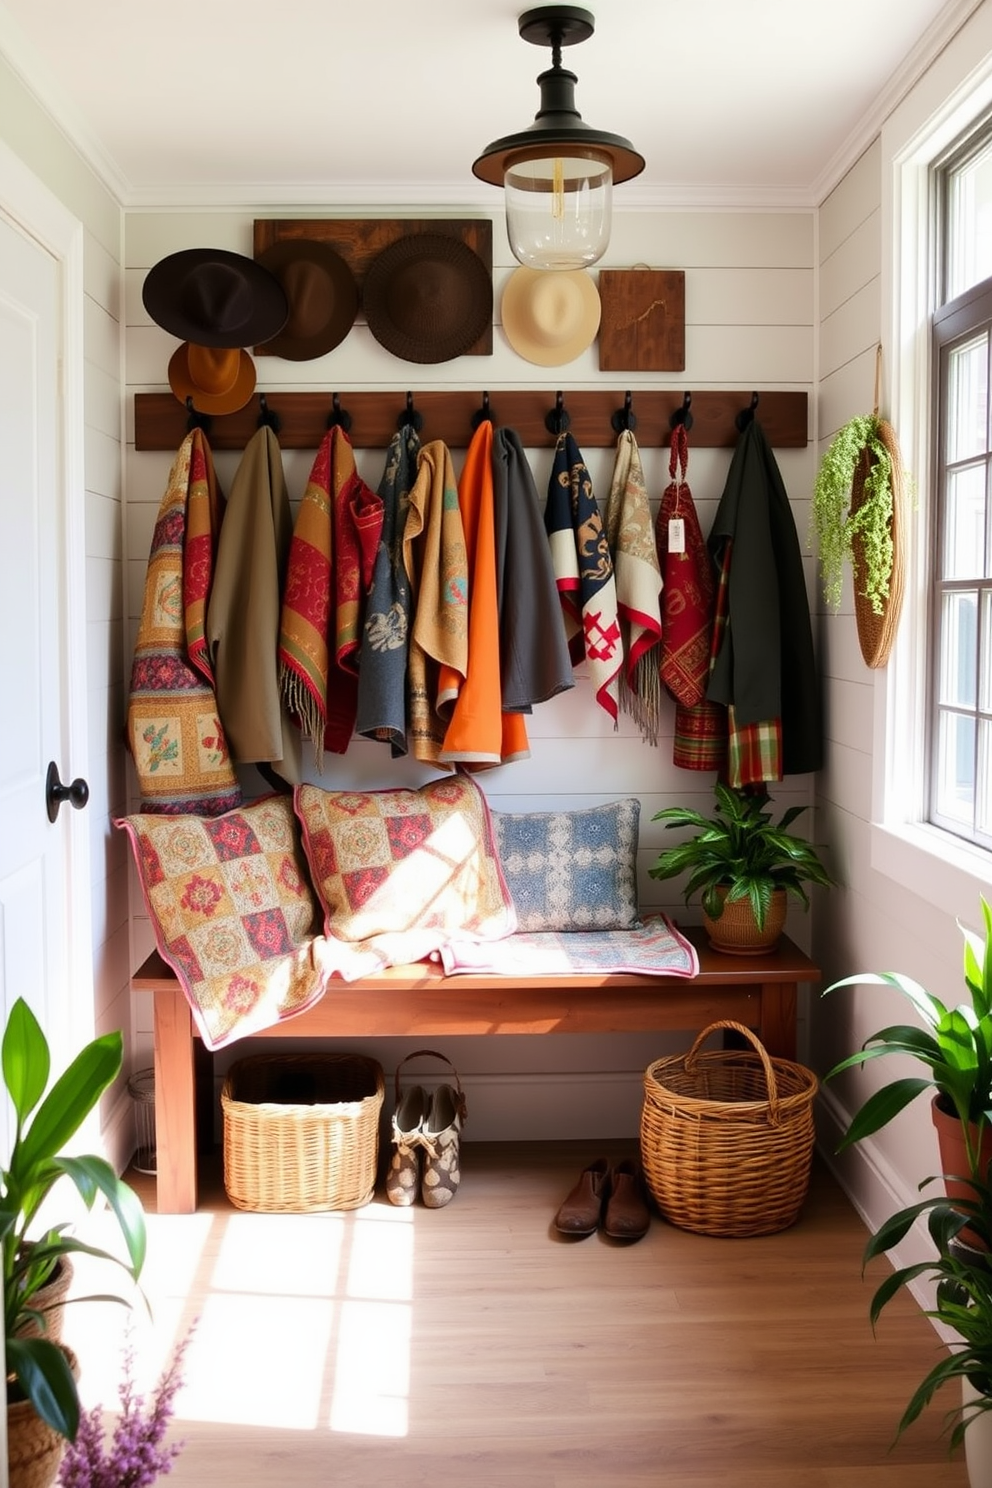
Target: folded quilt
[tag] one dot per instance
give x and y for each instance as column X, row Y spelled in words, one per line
column 656, row 948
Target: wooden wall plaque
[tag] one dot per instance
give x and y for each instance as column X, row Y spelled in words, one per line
column 361, row 239
column 642, row 327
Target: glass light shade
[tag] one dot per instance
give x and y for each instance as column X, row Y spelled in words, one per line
column 559, row 209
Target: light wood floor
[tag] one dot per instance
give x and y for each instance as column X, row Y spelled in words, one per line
column 472, row 1347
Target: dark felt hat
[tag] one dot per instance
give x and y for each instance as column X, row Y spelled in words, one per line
column 322, row 295
column 428, row 297
column 215, row 298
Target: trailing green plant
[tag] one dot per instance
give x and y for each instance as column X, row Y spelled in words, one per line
column 739, row 849
column 954, row 1046
column 837, row 527
column 46, row 1120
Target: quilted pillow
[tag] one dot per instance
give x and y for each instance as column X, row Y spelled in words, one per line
column 572, row 870
column 403, row 870
column 233, row 912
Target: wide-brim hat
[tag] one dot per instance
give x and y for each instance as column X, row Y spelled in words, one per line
column 215, row 298
column 217, row 379
column 550, row 316
column 428, row 297
column 322, row 295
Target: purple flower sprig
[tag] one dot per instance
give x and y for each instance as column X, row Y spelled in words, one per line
column 135, row 1455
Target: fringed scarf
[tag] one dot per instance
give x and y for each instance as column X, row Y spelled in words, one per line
column 173, row 725
column 583, row 569
column 204, row 513
column 630, row 533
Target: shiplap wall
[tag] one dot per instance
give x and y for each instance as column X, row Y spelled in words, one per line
column 26, row 128
column 749, row 324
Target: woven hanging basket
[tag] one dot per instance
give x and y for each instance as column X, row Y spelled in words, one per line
column 727, row 1137
column 877, row 632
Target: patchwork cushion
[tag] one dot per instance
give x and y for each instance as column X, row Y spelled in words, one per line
column 233, row 911
column 405, row 869
column 572, row 870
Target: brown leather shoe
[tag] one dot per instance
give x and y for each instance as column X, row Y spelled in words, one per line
column 581, row 1211
column 627, row 1216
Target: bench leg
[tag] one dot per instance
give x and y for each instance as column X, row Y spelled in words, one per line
column 777, row 1028
column 175, row 1103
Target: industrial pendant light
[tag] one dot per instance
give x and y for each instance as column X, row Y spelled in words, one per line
column 558, row 174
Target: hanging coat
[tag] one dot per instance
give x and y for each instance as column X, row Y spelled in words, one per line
column 765, row 668
column 243, row 613
column 533, row 648
column 386, row 634
column 630, row 534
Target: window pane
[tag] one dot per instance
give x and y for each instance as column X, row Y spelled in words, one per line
column 964, row 523
column 958, row 650
column 985, row 655
column 969, row 223
column 956, row 768
column 967, row 400
column 984, row 807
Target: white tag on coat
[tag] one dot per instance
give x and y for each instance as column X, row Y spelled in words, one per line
column 676, row 535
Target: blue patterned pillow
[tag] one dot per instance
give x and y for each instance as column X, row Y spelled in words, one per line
column 572, row 870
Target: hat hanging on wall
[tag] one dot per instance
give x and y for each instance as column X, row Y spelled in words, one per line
column 428, row 298
column 215, row 298
column 218, row 379
column 550, row 316
column 322, row 295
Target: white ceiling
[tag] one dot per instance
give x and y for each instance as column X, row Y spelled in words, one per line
column 219, row 102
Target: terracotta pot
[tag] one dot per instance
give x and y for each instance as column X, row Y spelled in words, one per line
column 34, row 1450
column 736, row 933
column 51, row 1301
column 954, row 1156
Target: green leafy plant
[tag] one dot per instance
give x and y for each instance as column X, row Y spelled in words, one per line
column 954, row 1046
column 45, row 1123
column 960, row 1276
column 837, row 526
column 739, row 850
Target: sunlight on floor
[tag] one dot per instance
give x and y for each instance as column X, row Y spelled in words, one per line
column 306, row 1322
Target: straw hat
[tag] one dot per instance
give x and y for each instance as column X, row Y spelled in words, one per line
column 550, row 316
column 322, row 295
column 218, row 379
column 215, row 298
column 428, row 297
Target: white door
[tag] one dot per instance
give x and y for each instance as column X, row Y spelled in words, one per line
column 44, row 865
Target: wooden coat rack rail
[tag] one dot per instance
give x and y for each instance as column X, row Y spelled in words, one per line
column 160, row 420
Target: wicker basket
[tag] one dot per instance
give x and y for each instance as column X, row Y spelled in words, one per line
column 301, row 1131
column 727, row 1137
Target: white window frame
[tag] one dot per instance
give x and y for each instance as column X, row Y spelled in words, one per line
column 941, row 868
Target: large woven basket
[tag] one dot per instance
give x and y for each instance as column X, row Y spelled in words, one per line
column 301, row 1131
column 727, row 1137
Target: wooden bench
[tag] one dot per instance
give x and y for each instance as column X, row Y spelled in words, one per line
column 420, row 1002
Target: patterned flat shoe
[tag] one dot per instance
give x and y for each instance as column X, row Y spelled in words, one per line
column 441, row 1132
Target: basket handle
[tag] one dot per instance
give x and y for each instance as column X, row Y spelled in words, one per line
column 759, row 1049
column 433, row 1054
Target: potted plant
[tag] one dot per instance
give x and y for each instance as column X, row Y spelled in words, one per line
column 954, row 1048
column 959, row 1276
column 739, row 859
column 41, row 1383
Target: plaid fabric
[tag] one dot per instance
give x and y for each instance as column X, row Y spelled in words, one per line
column 689, row 586
column 700, row 741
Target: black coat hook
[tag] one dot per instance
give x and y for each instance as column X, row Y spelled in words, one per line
column 338, row 418
column 267, row 418
column 682, row 415
column 624, row 418
column 410, row 416
column 746, row 415
column 195, row 419
column 484, row 414
column 556, row 421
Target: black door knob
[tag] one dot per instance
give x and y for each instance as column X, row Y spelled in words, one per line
column 77, row 794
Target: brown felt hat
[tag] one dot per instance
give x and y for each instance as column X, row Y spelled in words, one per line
column 218, row 379
column 322, row 295
column 428, row 297
column 550, row 316
column 215, row 298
